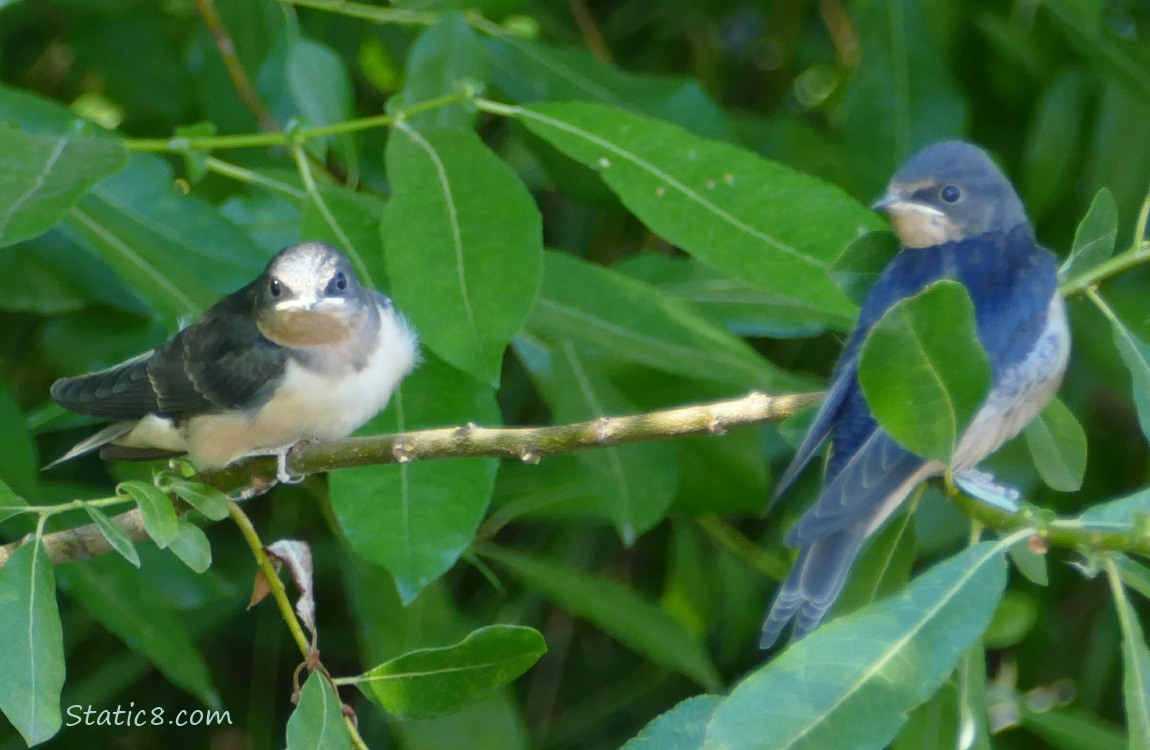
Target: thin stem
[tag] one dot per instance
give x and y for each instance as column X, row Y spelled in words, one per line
column 235, row 68
column 240, row 174
column 345, row 242
column 275, row 585
column 1137, row 254
column 265, row 140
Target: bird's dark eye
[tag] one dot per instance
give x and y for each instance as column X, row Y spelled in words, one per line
column 339, row 282
column 276, row 288
column 950, row 193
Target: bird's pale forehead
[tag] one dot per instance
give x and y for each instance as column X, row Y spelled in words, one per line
column 305, row 267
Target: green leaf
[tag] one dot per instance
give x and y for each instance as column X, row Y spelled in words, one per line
column 616, row 610
column 415, row 519
column 45, row 174
column 156, row 507
column 18, row 462
column 1136, row 354
column 33, row 644
column 50, row 275
column 191, row 545
column 1134, row 575
column 901, row 96
column 436, row 681
column 1135, row 664
column 1057, row 444
column 755, row 220
column 135, row 608
column 175, row 251
column 635, row 483
column 974, row 732
column 116, row 536
column 1095, row 238
column 530, row 71
column 591, row 305
column 205, row 498
column 861, row 674
column 1073, row 729
column 317, row 721
column 9, row 502
column 862, row 262
column 456, row 207
column 446, row 58
column 1029, row 563
column 736, row 305
column 923, row 371
column 681, row 728
column 1119, row 514
column 321, row 88
column 934, row 724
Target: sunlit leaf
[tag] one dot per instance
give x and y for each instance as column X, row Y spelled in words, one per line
column 33, row 644
column 459, row 209
column 753, row 219
column 681, row 728
column 861, row 674
column 415, row 519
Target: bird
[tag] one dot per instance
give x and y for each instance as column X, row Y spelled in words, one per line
column 957, row 217
column 302, row 353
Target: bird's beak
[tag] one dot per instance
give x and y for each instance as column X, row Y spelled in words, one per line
column 895, row 203
column 887, row 202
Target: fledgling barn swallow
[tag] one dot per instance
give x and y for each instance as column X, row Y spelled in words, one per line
column 304, row 352
column 957, row 217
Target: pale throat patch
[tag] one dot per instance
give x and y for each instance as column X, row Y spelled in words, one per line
column 920, row 226
column 308, row 327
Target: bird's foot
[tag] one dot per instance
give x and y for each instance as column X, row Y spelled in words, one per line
column 982, row 485
column 282, row 474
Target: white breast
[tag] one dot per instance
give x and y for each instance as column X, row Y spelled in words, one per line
column 309, row 404
column 1023, row 391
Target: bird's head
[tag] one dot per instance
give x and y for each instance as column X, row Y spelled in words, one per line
column 309, row 296
column 950, row 191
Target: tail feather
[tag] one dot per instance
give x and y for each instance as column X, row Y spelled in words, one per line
column 812, row 585
column 93, row 442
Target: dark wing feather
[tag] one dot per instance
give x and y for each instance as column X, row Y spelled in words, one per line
column 871, row 475
column 122, row 392
column 221, row 362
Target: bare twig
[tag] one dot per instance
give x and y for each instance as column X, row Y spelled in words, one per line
column 592, row 37
column 236, row 72
column 528, row 444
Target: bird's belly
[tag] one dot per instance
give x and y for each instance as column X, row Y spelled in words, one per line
column 308, row 405
column 1022, row 392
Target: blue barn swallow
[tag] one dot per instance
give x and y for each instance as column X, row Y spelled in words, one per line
column 304, row 352
column 957, row 217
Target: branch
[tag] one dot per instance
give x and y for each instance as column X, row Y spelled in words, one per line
column 236, row 72
column 529, row 444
